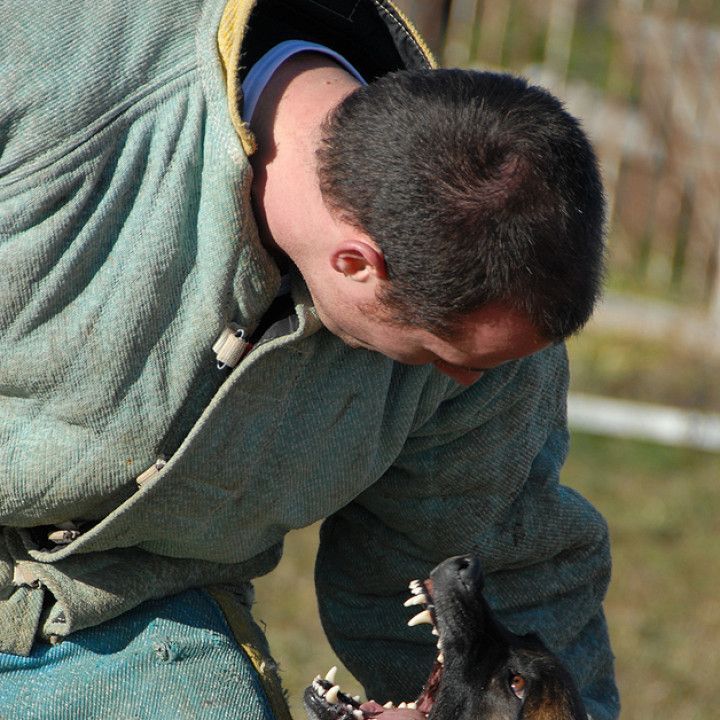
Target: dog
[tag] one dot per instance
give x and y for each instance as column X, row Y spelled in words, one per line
column 482, row 672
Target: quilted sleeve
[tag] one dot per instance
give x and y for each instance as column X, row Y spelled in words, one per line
column 480, row 476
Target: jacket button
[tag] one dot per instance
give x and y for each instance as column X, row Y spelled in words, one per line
column 63, row 537
column 152, row 471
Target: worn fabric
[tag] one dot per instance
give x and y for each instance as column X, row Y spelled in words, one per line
column 172, row 659
column 132, row 468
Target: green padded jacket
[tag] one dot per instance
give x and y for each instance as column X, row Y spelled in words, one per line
column 131, row 467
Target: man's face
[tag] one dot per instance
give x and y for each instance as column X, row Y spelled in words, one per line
column 344, row 273
column 485, row 338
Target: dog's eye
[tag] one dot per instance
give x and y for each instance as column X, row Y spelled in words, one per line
column 517, row 685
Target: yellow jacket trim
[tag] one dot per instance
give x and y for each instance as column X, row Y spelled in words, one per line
column 249, row 638
column 230, row 35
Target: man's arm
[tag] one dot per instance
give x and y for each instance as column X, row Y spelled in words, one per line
column 481, row 476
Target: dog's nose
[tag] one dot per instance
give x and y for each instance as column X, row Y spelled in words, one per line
column 464, row 568
column 470, row 571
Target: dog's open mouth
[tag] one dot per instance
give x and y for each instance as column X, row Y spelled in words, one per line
column 327, row 701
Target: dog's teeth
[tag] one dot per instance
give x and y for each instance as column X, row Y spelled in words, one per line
column 420, row 599
column 358, row 714
column 330, row 677
column 435, row 632
column 441, row 658
column 356, row 698
column 421, row 617
column 331, row 696
column 412, row 706
column 402, row 705
column 317, row 678
column 414, row 584
column 388, row 705
column 321, row 691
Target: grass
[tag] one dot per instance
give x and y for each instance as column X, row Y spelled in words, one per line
column 286, row 604
column 663, row 509
column 648, row 370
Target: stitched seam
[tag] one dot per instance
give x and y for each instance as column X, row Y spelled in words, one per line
column 393, row 16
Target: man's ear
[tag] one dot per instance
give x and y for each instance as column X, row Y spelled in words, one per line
column 359, row 261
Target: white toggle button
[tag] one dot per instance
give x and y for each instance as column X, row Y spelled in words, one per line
column 230, row 347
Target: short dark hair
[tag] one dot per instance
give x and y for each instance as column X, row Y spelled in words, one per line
column 478, row 188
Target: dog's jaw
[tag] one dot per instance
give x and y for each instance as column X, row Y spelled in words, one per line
column 324, row 700
column 482, row 671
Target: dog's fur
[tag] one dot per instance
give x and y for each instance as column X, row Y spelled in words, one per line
column 484, row 672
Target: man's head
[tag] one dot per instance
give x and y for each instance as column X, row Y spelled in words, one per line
column 478, row 190
column 444, row 217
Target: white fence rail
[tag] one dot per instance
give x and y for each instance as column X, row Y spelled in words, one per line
column 642, row 421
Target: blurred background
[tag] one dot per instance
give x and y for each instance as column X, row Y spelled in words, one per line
column 644, row 78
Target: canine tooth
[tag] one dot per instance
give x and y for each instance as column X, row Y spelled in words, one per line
column 330, row 677
column 416, row 600
column 435, row 632
column 441, row 658
column 331, row 696
column 421, row 617
column 388, row 705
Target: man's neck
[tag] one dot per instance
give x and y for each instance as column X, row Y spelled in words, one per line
column 287, row 125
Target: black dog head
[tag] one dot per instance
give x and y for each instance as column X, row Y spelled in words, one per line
column 483, row 671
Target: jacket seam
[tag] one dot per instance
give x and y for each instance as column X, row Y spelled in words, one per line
column 392, row 14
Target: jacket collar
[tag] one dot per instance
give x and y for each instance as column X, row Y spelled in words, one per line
column 394, row 32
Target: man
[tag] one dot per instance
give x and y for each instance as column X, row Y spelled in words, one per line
column 170, row 410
